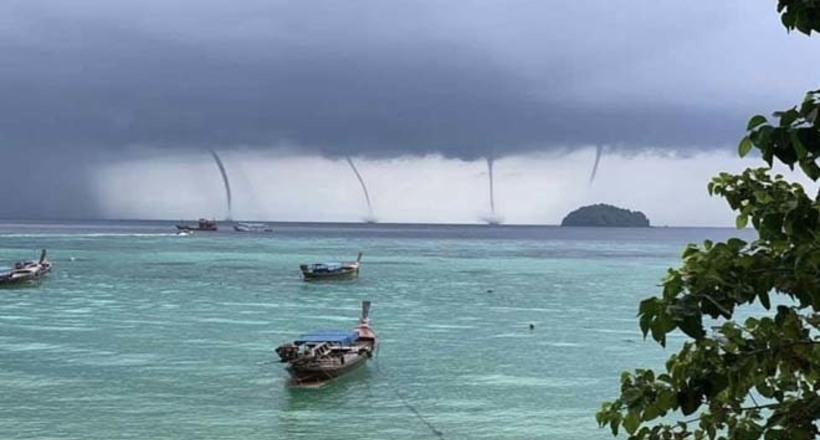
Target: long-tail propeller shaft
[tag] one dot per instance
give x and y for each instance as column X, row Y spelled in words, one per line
column 365, row 311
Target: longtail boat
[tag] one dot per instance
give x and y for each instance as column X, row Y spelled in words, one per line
column 331, row 271
column 319, row 357
column 27, row 272
column 203, row 224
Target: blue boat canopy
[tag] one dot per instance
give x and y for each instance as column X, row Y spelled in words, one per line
column 330, row 266
column 337, row 336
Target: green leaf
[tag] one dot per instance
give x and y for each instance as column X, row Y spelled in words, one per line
column 762, row 196
column 631, row 422
column 764, row 300
column 632, row 396
column 689, row 401
column 645, row 324
column 787, row 20
column 614, row 423
column 755, row 121
column 787, row 118
column 692, row 326
column 662, row 325
column 745, row 146
column 735, row 244
column 691, row 249
column 811, row 169
column 741, row 221
column 666, row 400
column 799, row 149
column 652, row 411
column 648, row 305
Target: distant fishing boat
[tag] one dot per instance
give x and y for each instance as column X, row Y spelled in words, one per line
column 316, row 358
column 202, row 225
column 251, row 227
column 332, row 271
column 27, row 271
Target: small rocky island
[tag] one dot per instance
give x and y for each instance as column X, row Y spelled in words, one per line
column 605, row 215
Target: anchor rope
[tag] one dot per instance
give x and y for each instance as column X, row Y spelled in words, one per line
column 407, row 403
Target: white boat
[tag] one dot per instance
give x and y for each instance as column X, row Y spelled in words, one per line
column 251, row 227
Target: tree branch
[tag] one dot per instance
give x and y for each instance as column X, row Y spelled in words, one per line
column 749, row 408
column 720, row 307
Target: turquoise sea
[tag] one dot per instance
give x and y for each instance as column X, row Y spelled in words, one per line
column 142, row 334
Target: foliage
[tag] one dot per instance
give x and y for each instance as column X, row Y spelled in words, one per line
column 803, row 15
column 604, row 215
column 756, row 379
column 795, row 139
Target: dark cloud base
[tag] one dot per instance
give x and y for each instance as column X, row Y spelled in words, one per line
column 45, row 185
column 114, row 89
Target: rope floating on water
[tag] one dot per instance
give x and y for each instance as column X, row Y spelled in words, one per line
column 418, row 415
column 409, row 405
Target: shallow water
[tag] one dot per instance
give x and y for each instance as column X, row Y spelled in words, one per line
column 142, row 334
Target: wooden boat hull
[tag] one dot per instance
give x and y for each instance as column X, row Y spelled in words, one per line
column 26, row 273
column 331, row 276
column 331, row 271
column 318, row 374
column 15, row 280
column 195, row 228
column 201, row 225
column 20, row 281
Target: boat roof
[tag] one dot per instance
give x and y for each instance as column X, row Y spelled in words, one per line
column 344, row 337
column 329, row 265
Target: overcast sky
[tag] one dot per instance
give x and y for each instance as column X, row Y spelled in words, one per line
column 91, row 86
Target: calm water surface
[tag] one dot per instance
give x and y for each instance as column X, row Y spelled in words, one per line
column 140, row 334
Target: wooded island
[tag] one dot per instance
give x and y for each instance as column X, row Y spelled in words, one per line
column 605, row 215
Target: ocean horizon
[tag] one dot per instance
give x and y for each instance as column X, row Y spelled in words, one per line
column 171, row 221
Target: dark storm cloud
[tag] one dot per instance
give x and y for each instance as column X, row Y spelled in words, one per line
column 54, row 186
column 116, row 88
column 83, row 80
column 143, row 92
column 87, row 77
